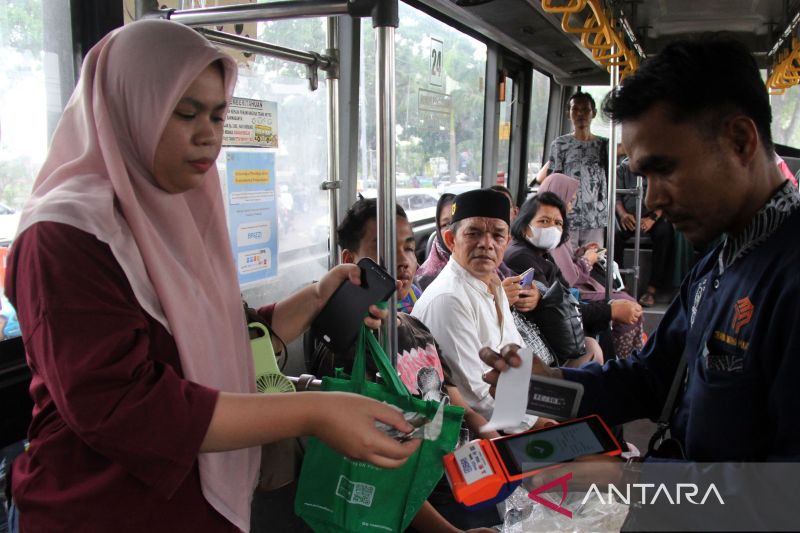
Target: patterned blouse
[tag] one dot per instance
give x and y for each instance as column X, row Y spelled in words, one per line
column 585, row 161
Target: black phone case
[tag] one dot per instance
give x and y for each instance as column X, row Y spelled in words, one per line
column 338, row 323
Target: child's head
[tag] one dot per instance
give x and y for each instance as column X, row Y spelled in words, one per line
column 358, row 238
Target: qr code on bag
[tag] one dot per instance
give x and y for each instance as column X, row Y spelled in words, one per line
column 355, row 492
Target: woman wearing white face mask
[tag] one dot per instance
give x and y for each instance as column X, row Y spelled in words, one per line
column 545, row 238
column 576, row 268
column 539, row 230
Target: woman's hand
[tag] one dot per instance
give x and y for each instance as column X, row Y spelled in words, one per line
column 336, row 276
column 347, row 424
column 591, row 256
column 528, row 299
column 329, row 282
column 625, row 311
column 512, row 288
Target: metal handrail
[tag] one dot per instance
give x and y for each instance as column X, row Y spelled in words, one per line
column 255, row 46
column 207, row 16
column 598, row 34
column 637, row 235
column 305, row 382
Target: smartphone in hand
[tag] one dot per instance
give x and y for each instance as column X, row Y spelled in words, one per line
column 339, row 322
column 527, row 277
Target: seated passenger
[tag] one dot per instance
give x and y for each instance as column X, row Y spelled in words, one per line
column 439, row 254
column 418, row 360
column 653, row 224
column 540, row 229
column 576, row 268
column 466, row 307
column 514, row 209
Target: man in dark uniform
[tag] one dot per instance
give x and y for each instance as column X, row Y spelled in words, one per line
column 730, row 340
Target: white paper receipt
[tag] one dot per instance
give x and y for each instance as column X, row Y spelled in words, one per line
column 511, row 396
column 472, row 462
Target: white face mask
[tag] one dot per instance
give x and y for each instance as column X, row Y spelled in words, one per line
column 545, row 238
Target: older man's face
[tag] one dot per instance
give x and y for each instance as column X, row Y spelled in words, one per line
column 478, row 245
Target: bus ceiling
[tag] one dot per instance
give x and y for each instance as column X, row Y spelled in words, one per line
column 532, row 30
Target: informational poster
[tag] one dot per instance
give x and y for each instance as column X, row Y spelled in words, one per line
column 251, row 123
column 252, row 214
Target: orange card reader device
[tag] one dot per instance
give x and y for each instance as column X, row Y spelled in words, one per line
column 487, row 471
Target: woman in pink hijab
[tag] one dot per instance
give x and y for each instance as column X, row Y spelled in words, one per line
column 576, row 267
column 123, row 278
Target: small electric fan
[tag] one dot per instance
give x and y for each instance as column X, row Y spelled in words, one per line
column 268, row 378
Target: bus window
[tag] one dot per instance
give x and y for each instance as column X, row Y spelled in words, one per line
column 29, row 90
column 600, row 125
column 540, row 94
column 439, row 84
column 300, row 158
column 504, row 131
column 786, row 117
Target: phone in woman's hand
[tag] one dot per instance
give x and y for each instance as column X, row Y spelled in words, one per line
column 527, row 277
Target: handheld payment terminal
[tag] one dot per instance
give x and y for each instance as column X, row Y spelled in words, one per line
column 484, row 471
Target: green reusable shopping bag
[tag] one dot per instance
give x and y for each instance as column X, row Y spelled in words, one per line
column 336, row 494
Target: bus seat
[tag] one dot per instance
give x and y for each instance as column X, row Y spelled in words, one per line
column 429, row 246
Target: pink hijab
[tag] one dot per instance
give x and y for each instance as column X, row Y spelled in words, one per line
column 173, row 248
column 561, row 185
column 565, row 188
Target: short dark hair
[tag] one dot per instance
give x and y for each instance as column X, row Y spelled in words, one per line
column 351, row 228
column 674, row 77
column 585, row 96
column 529, row 210
column 505, row 190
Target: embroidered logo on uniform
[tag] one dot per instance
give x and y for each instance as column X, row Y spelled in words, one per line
column 698, row 296
column 743, row 314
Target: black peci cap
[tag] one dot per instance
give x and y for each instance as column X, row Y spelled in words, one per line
column 481, row 203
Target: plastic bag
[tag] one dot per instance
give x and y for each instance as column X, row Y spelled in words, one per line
column 523, row 515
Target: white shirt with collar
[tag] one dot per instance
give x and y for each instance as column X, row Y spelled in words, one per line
column 460, row 311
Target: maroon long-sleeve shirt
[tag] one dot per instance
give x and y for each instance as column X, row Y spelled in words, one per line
column 116, row 428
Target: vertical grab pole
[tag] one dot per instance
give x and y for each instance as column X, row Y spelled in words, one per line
column 332, row 83
column 385, row 20
column 612, row 187
column 638, row 237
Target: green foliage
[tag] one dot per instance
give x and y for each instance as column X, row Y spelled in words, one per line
column 16, row 178
column 424, row 134
column 21, row 25
column 786, row 117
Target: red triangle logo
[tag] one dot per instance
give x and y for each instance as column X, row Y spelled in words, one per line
column 561, row 481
